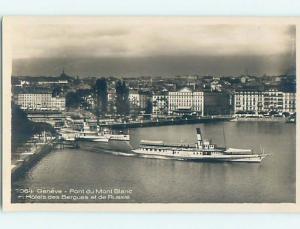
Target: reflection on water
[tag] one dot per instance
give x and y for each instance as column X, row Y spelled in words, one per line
column 160, row 181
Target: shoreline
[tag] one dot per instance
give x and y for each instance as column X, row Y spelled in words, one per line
column 193, row 121
column 19, row 169
column 169, row 122
column 264, row 119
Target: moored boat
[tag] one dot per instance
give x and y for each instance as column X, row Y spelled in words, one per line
column 67, row 134
column 103, row 139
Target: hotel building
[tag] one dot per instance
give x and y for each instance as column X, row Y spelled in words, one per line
column 264, row 101
column 248, row 101
column 37, row 99
column 186, row 100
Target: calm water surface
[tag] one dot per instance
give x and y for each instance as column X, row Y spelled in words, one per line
column 160, row 181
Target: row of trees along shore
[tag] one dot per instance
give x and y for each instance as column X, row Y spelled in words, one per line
column 23, row 129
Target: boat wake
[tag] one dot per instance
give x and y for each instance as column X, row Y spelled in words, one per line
column 123, row 154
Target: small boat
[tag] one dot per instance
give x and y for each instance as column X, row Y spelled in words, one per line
column 203, row 150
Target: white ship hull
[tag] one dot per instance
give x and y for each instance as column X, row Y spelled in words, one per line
column 192, row 155
column 108, row 142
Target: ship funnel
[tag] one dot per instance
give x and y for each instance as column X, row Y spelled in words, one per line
column 199, row 138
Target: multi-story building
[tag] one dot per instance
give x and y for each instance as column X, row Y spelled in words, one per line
column 39, row 99
column 186, row 100
column 111, row 95
column 271, row 100
column 248, row 101
column 134, row 98
column 160, row 103
column 145, row 98
column 89, row 101
column 139, row 98
column 289, row 102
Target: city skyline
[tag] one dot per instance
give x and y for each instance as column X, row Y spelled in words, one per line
column 157, row 47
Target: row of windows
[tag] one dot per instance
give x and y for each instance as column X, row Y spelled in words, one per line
column 205, row 153
column 189, row 96
column 177, row 152
column 185, row 93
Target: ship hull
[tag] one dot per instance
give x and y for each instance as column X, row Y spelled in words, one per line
column 251, row 158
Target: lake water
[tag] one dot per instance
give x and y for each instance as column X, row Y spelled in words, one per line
column 172, row 181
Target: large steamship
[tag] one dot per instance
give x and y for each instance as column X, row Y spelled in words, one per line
column 203, row 150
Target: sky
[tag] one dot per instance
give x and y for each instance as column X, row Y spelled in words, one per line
column 150, row 46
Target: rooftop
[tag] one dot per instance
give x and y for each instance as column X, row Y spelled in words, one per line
column 35, row 90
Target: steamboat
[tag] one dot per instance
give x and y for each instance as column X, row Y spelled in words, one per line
column 102, row 139
column 203, row 150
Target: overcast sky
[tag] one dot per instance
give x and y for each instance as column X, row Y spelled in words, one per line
column 134, row 47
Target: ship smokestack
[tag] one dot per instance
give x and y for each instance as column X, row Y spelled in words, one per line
column 199, row 138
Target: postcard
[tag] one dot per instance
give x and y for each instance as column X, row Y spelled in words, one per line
column 150, row 114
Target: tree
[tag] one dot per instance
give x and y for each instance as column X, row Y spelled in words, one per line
column 122, row 98
column 23, row 129
column 149, row 106
column 57, row 90
column 73, row 100
column 288, row 85
column 100, row 90
column 126, row 103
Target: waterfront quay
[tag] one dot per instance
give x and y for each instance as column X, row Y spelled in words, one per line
column 167, row 122
column 24, row 161
column 33, row 151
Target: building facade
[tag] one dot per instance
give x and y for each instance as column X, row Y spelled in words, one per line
column 160, row 104
column 134, row 98
column 139, row 99
column 40, row 100
column 248, row 102
column 186, row 100
column 272, row 100
column 289, row 102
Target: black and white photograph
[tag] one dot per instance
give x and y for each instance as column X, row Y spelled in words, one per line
column 149, row 110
